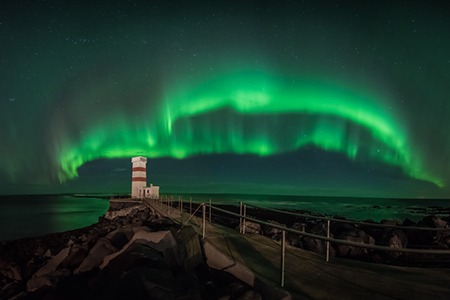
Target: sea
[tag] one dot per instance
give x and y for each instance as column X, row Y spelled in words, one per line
column 35, row 215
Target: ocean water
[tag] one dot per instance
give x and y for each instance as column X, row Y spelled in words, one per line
column 352, row 208
column 28, row 216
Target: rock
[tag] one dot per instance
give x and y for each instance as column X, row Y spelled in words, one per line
column 249, row 295
column 160, row 224
column 408, row 222
column 390, row 222
column 189, row 248
column 96, row 255
column 119, row 240
column 251, row 227
column 162, row 241
column 48, row 253
column 76, row 256
column 47, row 280
column 53, row 263
column 395, row 238
column 11, row 290
column 10, row 270
column 273, row 232
column 315, row 244
column 143, row 214
column 357, row 236
column 295, row 239
column 128, row 212
column 434, row 221
column 135, row 283
column 40, row 250
column 136, row 221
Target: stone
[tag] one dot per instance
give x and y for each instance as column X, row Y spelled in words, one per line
column 47, row 280
column 253, row 228
column 189, row 248
column 119, row 240
column 395, row 238
column 53, row 263
column 162, row 241
column 10, row 270
column 313, row 244
column 273, row 232
column 435, row 222
column 76, row 256
column 390, row 222
column 357, row 236
column 96, row 255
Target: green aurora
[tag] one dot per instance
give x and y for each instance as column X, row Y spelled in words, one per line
column 319, row 98
column 335, row 110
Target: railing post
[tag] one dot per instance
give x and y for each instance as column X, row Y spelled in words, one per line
column 209, row 210
column 240, row 217
column 328, row 242
column 190, row 205
column 204, row 220
column 168, row 202
column 283, row 256
column 243, row 221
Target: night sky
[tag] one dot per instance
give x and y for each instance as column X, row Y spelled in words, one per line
column 325, row 98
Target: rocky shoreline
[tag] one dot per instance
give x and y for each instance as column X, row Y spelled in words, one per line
column 131, row 253
column 390, row 237
column 134, row 252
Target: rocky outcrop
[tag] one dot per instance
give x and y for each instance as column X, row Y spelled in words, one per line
column 132, row 254
column 360, row 233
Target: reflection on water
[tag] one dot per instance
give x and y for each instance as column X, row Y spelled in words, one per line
column 27, row 216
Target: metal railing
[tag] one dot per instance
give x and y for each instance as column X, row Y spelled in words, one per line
column 243, row 218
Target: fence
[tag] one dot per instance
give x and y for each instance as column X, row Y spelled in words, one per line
column 243, row 218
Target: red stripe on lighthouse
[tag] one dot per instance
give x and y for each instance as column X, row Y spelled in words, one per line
column 139, row 179
column 138, row 169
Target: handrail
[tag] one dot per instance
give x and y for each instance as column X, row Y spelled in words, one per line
column 242, row 216
column 351, row 222
column 339, row 241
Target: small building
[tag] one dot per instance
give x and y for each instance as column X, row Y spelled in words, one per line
column 139, row 188
column 151, row 192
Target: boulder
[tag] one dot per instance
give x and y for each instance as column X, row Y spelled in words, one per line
column 357, row 236
column 395, row 238
column 53, row 263
column 47, row 280
column 316, row 245
column 129, row 212
column 273, row 232
column 162, row 241
column 75, row 257
column 434, row 222
column 10, row 270
column 160, row 224
column 189, row 248
column 251, row 227
column 295, row 239
column 95, row 257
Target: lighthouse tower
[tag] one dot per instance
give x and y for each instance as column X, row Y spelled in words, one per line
column 139, row 177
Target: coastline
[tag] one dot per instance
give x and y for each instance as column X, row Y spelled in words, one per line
column 22, row 259
column 91, row 262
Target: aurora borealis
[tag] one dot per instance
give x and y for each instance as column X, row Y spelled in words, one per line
column 284, row 97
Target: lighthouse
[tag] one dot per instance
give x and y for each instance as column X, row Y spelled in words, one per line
column 139, row 176
column 139, row 188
